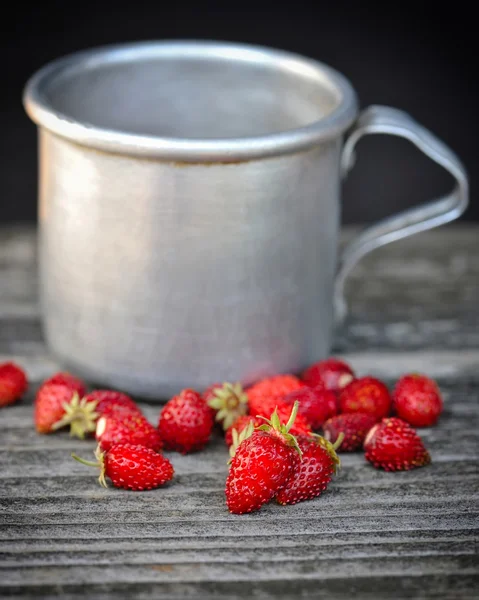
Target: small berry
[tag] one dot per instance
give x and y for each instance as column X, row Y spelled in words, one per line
column 332, row 374
column 131, row 467
column 354, row 427
column 186, row 422
column 261, row 465
column 393, row 445
column 105, row 400
column 367, row 395
column 316, row 405
column 262, row 394
column 314, row 472
column 127, row 427
column 52, row 399
column 13, row 383
column 82, row 414
column 417, row 400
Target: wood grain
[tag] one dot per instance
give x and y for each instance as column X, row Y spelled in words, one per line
column 371, row 535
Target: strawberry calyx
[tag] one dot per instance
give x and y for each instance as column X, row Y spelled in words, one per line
column 80, row 415
column 238, row 438
column 230, row 402
column 100, row 463
column 330, row 448
column 274, row 425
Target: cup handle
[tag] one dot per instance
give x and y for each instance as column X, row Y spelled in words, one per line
column 384, row 119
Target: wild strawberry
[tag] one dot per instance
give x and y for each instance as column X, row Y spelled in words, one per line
column 106, row 400
column 270, row 389
column 332, row 374
column 393, row 445
column 417, row 400
column 13, row 383
column 354, row 427
column 261, row 465
column 52, row 398
column 131, row 467
column 314, row 472
column 367, row 395
column 82, row 414
column 126, row 427
column 186, row 422
column 240, row 424
column 229, row 402
column 316, row 405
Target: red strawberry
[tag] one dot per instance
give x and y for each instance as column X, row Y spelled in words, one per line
column 81, row 415
column 313, row 474
column 13, row 383
column 240, row 424
column 393, row 445
column 52, row 398
column 127, row 427
column 332, row 374
column 186, row 422
column 316, row 405
column 271, row 388
column 354, row 427
column 417, row 400
column 228, row 401
column 107, row 400
column 131, row 467
column 261, row 465
column 367, row 395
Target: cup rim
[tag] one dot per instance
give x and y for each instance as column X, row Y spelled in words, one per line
column 41, row 111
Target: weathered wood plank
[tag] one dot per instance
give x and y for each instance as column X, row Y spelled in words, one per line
column 253, row 552
column 230, row 526
column 355, row 474
column 267, row 541
column 247, row 571
column 341, row 496
column 442, row 586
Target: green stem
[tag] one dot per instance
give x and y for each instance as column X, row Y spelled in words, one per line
column 88, row 463
column 292, row 416
column 339, row 441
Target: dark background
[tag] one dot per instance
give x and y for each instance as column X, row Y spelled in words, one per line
column 410, row 56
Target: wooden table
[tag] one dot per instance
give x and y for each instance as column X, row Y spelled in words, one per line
column 414, row 306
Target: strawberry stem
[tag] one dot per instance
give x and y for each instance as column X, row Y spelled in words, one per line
column 292, row 416
column 99, row 455
column 339, row 441
column 88, row 463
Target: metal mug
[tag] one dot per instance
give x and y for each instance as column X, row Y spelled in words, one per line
column 190, row 205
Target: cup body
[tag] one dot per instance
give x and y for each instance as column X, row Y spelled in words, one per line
column 189, row 212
